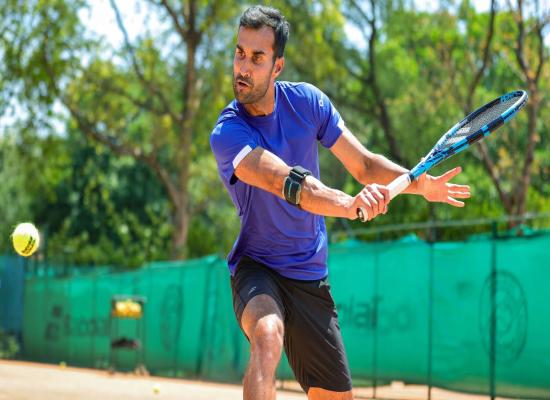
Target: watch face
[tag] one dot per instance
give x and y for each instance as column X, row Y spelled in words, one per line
column 298, row 193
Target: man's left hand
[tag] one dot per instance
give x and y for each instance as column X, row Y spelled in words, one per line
column 438, row 188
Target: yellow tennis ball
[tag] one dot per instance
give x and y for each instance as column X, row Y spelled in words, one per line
column 25, row 239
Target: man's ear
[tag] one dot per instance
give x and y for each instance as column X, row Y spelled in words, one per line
column 279, row 65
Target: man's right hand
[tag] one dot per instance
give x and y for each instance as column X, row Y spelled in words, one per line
column 373, row 200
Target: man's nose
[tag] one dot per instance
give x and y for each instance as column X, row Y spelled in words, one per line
column 243, row 68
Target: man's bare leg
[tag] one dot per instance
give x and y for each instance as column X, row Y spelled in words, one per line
column 263, row 324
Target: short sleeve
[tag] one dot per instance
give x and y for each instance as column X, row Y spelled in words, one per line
column 231, row 141
column 330, row 123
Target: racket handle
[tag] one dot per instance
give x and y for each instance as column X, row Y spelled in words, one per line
column 395, row 187
column 399, row 184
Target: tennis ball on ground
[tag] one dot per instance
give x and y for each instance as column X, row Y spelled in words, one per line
column 25, row 239
column 156, row 388
column 62, row 365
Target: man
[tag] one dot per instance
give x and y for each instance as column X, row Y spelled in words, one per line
column 265, row 144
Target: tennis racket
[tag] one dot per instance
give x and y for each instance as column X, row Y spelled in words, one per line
column 471, row 129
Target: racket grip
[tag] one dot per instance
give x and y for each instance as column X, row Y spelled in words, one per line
column 361, row 215
column 399, row 184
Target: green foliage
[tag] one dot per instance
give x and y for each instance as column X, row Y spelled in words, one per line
column 214, row 222
column 108, row 210
column 97, row 206
column 16, row 201
column 425, row 65
column 314, row 27
column 9, row 348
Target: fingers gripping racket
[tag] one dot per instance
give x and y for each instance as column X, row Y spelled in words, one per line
column 471, row 129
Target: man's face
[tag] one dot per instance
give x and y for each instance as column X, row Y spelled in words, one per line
column 253, row 64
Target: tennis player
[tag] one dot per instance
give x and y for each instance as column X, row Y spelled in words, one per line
column 265, row 145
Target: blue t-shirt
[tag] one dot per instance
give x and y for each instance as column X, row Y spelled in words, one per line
column 287, row 239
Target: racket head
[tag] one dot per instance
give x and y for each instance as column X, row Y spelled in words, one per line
column 474, row 127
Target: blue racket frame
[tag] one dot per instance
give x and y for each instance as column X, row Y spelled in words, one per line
column 436, row 155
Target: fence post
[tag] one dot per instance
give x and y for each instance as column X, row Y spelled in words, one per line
column 493, row 287
column 430, row 318
column 177, row 339
column 375, row 316
column 93, row 278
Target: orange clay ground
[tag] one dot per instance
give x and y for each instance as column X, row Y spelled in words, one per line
column 33, row 381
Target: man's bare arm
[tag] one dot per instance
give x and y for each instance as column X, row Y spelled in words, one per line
column 368, row 167
column 266, row 171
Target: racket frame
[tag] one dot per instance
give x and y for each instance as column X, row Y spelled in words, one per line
column 437, row 155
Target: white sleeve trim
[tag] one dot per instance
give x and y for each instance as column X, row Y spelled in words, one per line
column 242, row 154
column 341, row 124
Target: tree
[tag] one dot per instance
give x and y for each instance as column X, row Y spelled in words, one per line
column 107, row 210
column 149, row 99
column 12, row 187
column 419, row 71
column 523, row 45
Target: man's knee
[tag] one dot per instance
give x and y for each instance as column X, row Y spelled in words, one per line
column 267, row 334
column 263, row 325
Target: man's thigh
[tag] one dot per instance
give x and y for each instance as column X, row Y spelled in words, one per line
column 255, row 295
column 313, row 341
column 260, row 307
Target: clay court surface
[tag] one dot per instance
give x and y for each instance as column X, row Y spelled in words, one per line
column 32, row 381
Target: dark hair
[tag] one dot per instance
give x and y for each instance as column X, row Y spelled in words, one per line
column 257, row 16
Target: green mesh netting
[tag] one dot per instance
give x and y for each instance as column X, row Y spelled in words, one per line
column 469, row 316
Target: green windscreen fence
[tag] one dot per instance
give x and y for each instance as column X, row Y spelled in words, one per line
column 469, row 316
column 11, row 295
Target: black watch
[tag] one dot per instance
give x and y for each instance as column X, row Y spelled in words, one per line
column 292, row 188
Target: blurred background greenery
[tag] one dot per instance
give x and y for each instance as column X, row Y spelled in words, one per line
column 106, row 109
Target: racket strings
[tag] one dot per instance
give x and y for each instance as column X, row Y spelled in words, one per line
column 484, row 118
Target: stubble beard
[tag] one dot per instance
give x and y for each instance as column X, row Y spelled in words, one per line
column 254, row 93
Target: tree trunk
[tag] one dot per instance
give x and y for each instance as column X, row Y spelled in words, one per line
column 181, row 227
column 189, row 92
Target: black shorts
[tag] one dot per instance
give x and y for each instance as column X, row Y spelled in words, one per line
column 312, row 339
